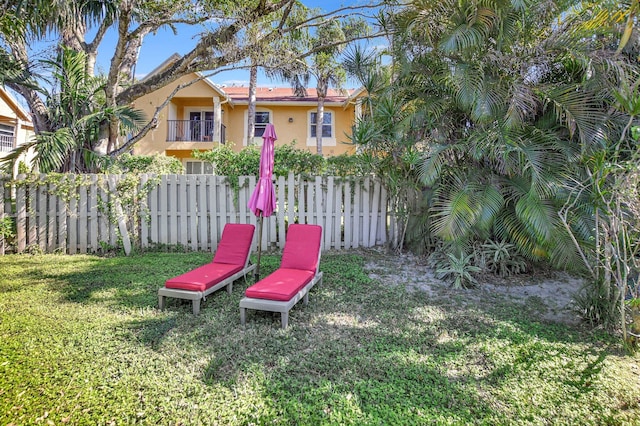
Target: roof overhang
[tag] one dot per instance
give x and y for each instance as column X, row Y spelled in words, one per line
column 20, row 112
column 201, row 76
column 288, row 103
column 352, row 97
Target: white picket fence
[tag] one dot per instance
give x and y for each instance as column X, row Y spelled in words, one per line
column 89, row 213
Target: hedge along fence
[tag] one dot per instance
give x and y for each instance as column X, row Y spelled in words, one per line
column 95, row 213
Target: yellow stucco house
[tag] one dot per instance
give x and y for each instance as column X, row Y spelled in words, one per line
column 16, row 127
column 203, row 115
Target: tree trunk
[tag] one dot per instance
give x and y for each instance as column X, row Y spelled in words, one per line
column 251, row 108
column 130, row 59
column 114, row 130
column 102, row 144
column 72, row 37
column 37, row 106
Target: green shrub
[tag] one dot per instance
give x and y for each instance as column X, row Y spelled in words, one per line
column 287, row 159
column 8, row 230
column 23, row 169
column 349, row 165
column 502, row 258
column 459, row 269
column 297, row 161
column 597, row 304
column 156, row 164
column 227, row 162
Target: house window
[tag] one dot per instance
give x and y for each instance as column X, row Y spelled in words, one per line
column 195, row 167
column 327, row 124
column 262, row 118
column 6, row 138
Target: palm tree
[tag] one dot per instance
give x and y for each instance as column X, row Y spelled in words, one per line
column 276, row 56
column 323, row 64
column 326, row 68
column 77, row 109
column 506, row 98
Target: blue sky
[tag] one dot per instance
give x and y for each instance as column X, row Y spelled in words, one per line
column 156, row 48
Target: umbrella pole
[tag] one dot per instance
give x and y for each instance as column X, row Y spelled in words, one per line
column 257, row 274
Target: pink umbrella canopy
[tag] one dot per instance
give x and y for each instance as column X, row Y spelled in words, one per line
column 263, row 200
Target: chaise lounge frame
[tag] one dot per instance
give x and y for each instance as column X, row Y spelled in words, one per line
column 197, row 296
column 283, row 307
column 276, row 305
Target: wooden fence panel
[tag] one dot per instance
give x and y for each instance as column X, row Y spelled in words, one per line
column 221, row 208
column 62, row 209
column 52, row 219
column 203, row 227
column 183, row 220
column 21, row 217
column 72, row 221
column 338, row 215
column 384, row 222
column 32, row 221
column 163, row 231
column 281, row 209
column 41, row 214
column 191, row 211
column 152, row 222
column 5, row 208
column 213, row 212
column 82, row 219
column 94, row 214
column 291, row 217
column 144, row 210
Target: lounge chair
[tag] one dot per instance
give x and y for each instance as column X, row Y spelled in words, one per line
column 298, row 273
column 230, row 262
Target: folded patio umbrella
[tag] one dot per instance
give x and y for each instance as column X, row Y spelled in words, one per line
column 263, row 200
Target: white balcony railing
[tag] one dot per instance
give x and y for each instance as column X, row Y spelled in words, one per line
column 193, row 131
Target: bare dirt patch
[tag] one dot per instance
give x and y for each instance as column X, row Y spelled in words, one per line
column 552, row 292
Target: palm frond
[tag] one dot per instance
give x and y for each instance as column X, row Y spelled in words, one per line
column 538, row 216
column 466, row 81
column 453, row 215
column 491, row 202
column 54, row 150
column 488, row 102
column 522, row 105
column 9, row 160
column 431, row 168
column 509, row 228
column 461, row 38
column 580, row 111
column 564, row 253
column 465, row 205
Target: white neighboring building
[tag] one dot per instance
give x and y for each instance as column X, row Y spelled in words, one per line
column 16, row 127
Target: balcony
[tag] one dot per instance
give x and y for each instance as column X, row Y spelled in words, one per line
column 193, row 131
column 6, row 143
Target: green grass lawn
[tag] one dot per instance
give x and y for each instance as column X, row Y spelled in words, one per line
column 82, row 342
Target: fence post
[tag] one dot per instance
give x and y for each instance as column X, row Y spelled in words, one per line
column 2, row 211
column 21, row 215
column 122, row 222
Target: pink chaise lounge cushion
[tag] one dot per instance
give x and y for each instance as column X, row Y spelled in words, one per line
column 204, row 277
column 231, row 256
column 281, row 285
column 302, row 247
column 235, row 244
column 298, row 267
